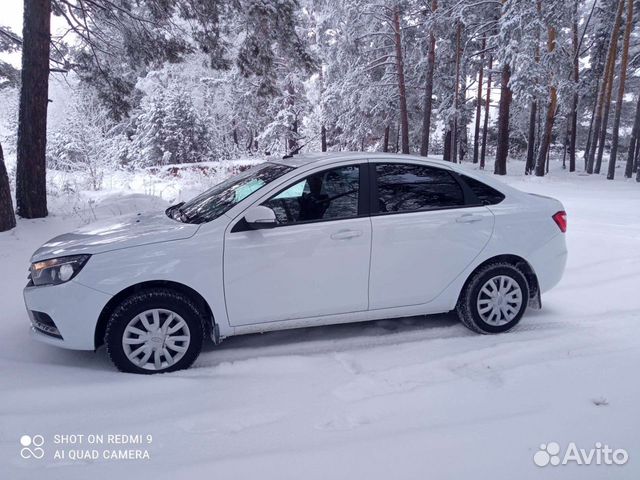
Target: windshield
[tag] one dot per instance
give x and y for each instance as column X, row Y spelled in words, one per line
column 218, row 199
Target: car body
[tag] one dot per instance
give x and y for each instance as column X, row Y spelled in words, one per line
column 311, row 239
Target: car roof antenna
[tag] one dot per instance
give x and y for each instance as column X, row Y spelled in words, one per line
column 294, row 151
column 297, row 149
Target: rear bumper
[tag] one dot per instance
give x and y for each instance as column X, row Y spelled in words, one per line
column 65, row 315
column 549, row 262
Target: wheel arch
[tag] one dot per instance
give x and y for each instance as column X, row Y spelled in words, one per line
column 211, row 329
column 518, row 262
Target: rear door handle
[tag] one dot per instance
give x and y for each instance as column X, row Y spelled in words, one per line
column 346, row 234
column 468, row 218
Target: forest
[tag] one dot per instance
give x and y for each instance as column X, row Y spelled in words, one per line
column 504, row 84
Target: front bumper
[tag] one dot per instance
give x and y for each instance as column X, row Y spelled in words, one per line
column 71, row 308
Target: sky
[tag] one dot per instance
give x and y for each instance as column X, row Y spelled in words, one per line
column 11, row 16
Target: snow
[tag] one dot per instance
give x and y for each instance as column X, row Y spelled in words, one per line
column 411, row 398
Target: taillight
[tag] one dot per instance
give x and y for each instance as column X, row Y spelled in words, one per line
column 561, row 220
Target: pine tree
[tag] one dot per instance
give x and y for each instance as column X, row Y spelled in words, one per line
column 476, row 135
column 551, row 112
column 7, row 216
column 428, row 89
column 604, row 98
column 31, row 191
column 502, row 150
column 402, row 89
column 149, row 138
column 635, row 136
column 487, row 104
column 621, row 81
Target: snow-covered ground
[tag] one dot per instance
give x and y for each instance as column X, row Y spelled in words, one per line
column 412, row 398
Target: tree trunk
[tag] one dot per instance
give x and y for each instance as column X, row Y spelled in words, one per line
column 502, row 150
column 476, row 132
column 292, row 136
column 234, row 135
column 323, row 138
column 402, row 89
column 547, row 162
column 531, row 138
column 564, row 147
column 487, row 104
column 543, row 152
column 428, row 89
column 31, row 174
column 631, row 155
column 533, row 109
column 323, row 128
column 598, row 75
column 620, row 97
column 456, row 98
column 605, row 122
column 591, row 127
column 7, row 216
column 463, row 119
column 446, row 155
column 602, row 100
column 573, row 114
column 397, row 149
column 385, row 143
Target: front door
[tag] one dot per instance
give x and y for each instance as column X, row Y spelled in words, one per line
column 314, row 263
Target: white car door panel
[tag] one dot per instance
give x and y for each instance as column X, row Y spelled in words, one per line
column 414, row 256
column 297, row 271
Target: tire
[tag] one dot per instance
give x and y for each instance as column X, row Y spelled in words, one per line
column 160, row 321
column 494, row 299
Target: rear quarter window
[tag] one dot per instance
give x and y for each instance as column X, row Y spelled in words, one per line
column 486, row 194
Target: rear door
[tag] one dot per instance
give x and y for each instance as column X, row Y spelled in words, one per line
column 427, row 228
column 314, row 263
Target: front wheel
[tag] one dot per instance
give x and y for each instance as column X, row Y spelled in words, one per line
column 154, row 331
column 494, row 299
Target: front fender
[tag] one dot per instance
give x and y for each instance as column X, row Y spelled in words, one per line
column 195, row 262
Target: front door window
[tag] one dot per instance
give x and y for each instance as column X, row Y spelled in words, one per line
column 327, row 195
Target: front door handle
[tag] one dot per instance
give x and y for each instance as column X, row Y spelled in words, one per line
column 468, row 218
column 346, row 234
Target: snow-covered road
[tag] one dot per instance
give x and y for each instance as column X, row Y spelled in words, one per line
column 412, row 398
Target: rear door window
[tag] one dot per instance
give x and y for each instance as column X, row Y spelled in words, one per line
column 409, row 188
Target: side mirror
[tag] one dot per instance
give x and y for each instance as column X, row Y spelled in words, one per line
column 260, row 217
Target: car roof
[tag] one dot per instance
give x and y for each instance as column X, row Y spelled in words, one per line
column 321, row 158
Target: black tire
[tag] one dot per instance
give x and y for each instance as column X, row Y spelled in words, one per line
column 467, row 308
column 143, row 301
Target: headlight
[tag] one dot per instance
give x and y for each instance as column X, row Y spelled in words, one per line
column 57, row 270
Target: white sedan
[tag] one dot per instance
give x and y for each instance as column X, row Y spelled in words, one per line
column 311, row 239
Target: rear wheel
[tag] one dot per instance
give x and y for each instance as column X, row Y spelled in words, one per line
column 154, row 331
column 494, row 299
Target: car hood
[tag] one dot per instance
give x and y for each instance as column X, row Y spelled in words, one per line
column 122, row 232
